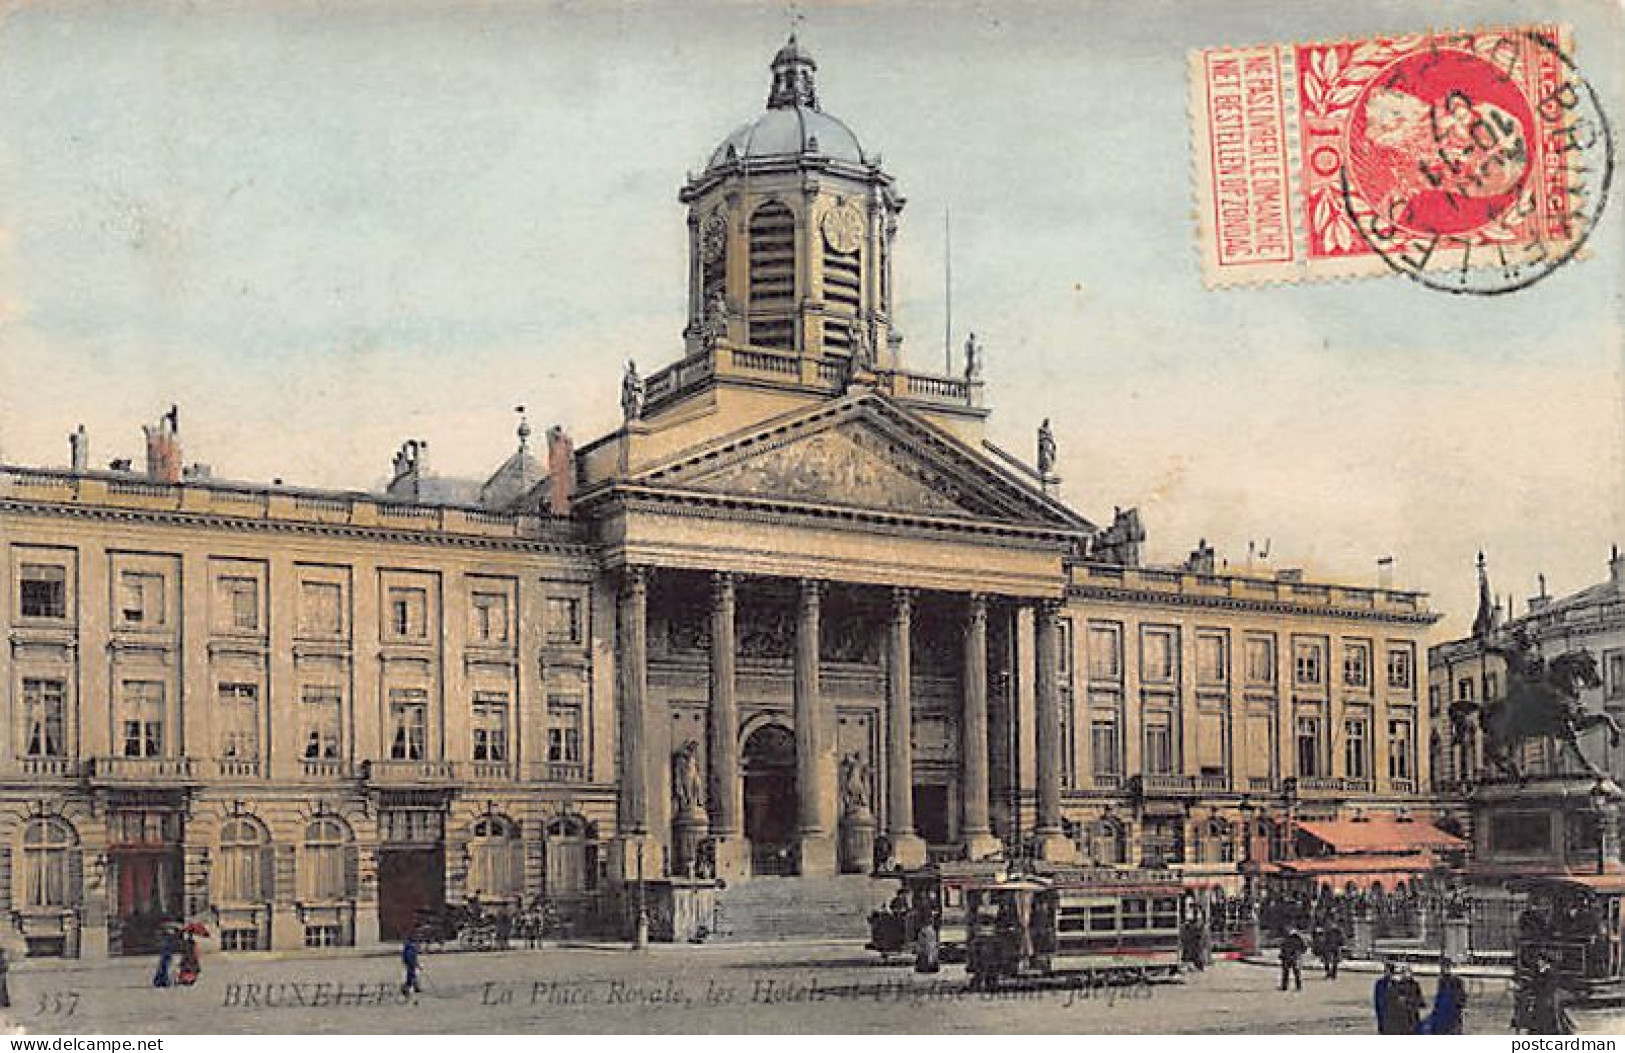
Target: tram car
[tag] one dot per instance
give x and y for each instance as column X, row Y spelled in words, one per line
column 1573, row 926
column 1094, row 926
column 937, row 891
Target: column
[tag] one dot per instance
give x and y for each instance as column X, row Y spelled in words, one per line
column 907, row 847
column 632, row 631
column 1052, row 843
column 812, row 785
column 726, row 785
column 975, row 830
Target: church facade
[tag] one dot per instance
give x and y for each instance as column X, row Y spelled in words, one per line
column 796, row 616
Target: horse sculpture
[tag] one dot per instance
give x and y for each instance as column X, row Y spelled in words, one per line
column 1542, row 700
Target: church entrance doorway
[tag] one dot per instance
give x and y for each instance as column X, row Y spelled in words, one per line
column 770, row 799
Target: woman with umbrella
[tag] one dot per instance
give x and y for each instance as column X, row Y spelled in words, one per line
column 191, row 968
column 166, row 955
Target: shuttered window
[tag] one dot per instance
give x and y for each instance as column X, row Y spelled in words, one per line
column 772, row 276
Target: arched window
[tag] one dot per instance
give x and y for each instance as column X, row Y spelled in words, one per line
column 572, row 857
column 496, row 864
column 328, row 861
column 50, row 864
column 244, row 871
column 1218, row 842
column 1108, row 843
column 773, row 276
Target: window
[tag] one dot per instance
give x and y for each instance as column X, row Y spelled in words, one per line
column 563, row 620
column 1464, row 689
column 1356, row 750
column 1065, row 644
column 1492, row 687
column 44, row 591
column 239, row 601
column 1103, row 747
column 141, row 598
column 325, row 861
column 490, row 617
column 1164, row 846
column 48, row 849
column 1309, row 752
column 142, row 718
column 496, row 859
column 1357, row 664
column 1157, row 655
column 1399, row 667
column 1399, row 750
column 1105, row 653
column 239, row 939
column 239, row 720
column 242, row 871
column 490, row 726
column 564, row 729
column 320, row 707
column 321, row 609
column 1308, row 662
column 324, row 936
column 772, row 275
column 409, row 723
column 44, row 714
column 1108, row 843
column 1614, row 671
column 408, row 614
column 1218, row 842
column 1261, row 660
column 1159, row 744
column 1212, row 659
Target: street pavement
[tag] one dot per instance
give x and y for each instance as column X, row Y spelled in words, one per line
column 782, row 988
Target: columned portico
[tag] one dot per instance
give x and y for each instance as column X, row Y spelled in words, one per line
column 814, row 761
column 1053, row 844
column 976, row 831
column 908, row 848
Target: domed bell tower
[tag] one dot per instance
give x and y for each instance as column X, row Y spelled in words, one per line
column 791, row 228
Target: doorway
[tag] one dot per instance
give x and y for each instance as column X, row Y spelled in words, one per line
column 149, row 894
column 931, row 813
column 769, row 765
column 409, row 879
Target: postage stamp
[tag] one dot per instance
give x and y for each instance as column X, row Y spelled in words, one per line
column 1472, row 162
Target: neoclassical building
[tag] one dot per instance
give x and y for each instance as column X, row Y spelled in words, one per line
column 795, row 616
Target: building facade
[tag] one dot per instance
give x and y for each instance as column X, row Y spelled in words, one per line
column 796, row 616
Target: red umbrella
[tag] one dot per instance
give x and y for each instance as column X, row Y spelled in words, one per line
column 196, row 928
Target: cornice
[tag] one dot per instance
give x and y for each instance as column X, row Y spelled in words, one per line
column 234, row 524
column 1232, row 603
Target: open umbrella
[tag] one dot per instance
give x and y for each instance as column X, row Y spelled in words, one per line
column 195, row 928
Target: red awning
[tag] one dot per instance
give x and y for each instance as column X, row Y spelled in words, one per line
column 1359, row 871
column 1346, row 836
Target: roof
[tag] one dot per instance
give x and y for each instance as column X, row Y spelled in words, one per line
column 1380, row 835
column 1326, row 866
column 1610, row 882
column 789, row 132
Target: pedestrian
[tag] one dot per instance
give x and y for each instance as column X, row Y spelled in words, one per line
column 409, row 959
column 927, row 957
column 1380, row 995
column 5, row 986
column 166, row 955
column 1405, row 1004
column 1449, row 1003
column 191, row 966
column 1331, row 953
column 1292, row 948
column 1191, row 941
column 1546, row 1015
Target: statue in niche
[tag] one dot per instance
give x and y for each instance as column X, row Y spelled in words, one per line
column 687, row 783
column 854, row 785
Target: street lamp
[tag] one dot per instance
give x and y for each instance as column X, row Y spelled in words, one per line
column 1247, row 808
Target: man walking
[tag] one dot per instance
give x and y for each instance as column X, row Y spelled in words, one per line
column 1380, row 994
column 1331, row 950
column 409, row 959
column 1449, row 1003
column 1405, row 1002
column 1292, row 948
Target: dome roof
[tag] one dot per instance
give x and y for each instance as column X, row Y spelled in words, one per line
column 790, row 131
column 793, row 124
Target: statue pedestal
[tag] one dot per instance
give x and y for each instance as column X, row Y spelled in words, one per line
column 857, row 855
column 1545, row 824
column 689, row 828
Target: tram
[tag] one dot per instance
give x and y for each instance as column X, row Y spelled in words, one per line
column 937, row 891
column 1095, row 925
column 1574, row 926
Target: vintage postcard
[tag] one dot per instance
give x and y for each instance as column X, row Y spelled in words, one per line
column 547, row 517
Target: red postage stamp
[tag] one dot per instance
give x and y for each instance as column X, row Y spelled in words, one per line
column 1473, row 162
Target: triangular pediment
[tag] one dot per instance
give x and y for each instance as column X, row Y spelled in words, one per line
column 863, row 453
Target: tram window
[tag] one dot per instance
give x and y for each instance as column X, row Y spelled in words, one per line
column 1165, row 913
column 953, row 896
column 1103, row 918
column 1134, row 914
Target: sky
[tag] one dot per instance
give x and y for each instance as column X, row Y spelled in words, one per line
column 322, row 229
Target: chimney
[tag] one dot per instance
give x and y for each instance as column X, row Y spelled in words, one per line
column 79, row 450
column 164, row 447
column 1201, row 559
column 411, row 466
column 1385, row 572
column 561, row 471
column 1538, row 603
column 1616, row 569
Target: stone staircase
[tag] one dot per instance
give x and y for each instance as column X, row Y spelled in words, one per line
column 798, row 908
